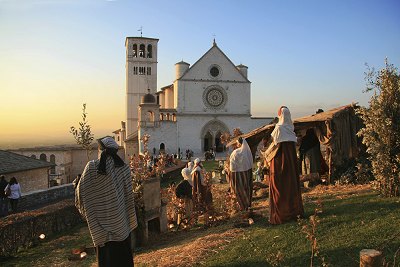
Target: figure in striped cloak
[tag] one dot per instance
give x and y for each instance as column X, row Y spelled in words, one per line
column 240, row 174
column 104, row 197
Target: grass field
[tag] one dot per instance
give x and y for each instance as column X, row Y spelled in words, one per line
column 352, row 218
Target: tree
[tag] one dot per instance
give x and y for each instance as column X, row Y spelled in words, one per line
column 381, row 133
column 83, row 136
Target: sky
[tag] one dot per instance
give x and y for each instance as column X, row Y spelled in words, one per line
column 56, row 55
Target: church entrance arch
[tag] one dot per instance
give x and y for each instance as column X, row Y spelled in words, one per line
column 211, row 135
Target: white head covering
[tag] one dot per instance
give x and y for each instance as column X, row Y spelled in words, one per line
column 241, row 159
column 196, row 161
column 186, row 174
column 284, row 129
column 190, row 165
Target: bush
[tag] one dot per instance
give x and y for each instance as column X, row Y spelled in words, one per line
column 381, row 133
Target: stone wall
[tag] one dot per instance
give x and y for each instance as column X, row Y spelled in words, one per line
column 49, row 195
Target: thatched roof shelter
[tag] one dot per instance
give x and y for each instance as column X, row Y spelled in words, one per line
column 336, row 129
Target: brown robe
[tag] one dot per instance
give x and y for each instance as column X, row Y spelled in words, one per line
column 242, row 185
column 202, row 197
column 284, row 185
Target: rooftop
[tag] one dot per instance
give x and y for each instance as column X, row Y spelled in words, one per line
column 11, row 162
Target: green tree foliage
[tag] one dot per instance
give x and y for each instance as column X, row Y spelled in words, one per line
column 83, row 135
column 381, row 133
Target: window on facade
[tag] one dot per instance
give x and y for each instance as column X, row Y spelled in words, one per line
column 33, row 156
column 118, row 138
column 168, row 118
column 142, row 71
column 43, row 157
column 135, row 70
column 214, row 71
column 134, row 50
column 173, row 117
column 149, row 51
column 149, row 116
column 161, row 116
column 141, row 50
column 148, row 70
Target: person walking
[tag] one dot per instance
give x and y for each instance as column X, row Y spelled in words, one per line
column 3, row 197
column 13, row 190
column 104, row 197
column 284, row 186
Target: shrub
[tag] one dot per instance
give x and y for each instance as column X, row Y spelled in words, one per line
column 381, row 133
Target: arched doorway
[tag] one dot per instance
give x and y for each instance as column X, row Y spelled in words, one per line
column 208, row 141
column 211, row 135
column 162, row 147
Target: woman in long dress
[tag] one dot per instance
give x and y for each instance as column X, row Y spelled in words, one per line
column 240, row 174
column 284, row 186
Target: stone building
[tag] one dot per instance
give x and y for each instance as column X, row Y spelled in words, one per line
column 68, row 160
column 206, row 99
column 31, row 174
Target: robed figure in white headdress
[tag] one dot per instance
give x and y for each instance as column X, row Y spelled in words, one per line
column 284, row 184
column 241, row 175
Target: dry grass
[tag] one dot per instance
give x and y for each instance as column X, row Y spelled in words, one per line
column 188, row 254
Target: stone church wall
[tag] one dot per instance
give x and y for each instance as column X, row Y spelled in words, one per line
column 166, row 134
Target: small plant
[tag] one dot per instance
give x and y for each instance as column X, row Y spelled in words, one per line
column 310, row 230
column 83, row 135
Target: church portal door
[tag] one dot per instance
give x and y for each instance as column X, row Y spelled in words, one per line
column 219, row 147
column 207, row 141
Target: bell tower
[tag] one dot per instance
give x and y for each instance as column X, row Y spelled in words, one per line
column 141, row 74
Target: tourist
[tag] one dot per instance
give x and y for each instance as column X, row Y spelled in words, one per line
column 240, row 174
column 284, row 186
column 202, row 197
column 3, row 196
column 259, row 173
column 105, row 199
column 14, row 193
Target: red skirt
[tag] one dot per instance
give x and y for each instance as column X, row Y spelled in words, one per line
column 284, row 185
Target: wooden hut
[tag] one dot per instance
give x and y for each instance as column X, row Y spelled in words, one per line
column 336, row 129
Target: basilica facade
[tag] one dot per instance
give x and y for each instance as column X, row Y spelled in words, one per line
column 205, row 100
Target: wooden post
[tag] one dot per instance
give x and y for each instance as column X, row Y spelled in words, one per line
column 370, row 258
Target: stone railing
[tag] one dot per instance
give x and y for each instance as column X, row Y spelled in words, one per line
column 45, row 196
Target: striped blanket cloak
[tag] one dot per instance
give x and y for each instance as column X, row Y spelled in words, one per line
column 106, row 202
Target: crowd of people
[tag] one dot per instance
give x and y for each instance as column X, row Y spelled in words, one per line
column 10, row 192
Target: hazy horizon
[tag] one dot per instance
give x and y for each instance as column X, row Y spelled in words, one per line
column 57, row 55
